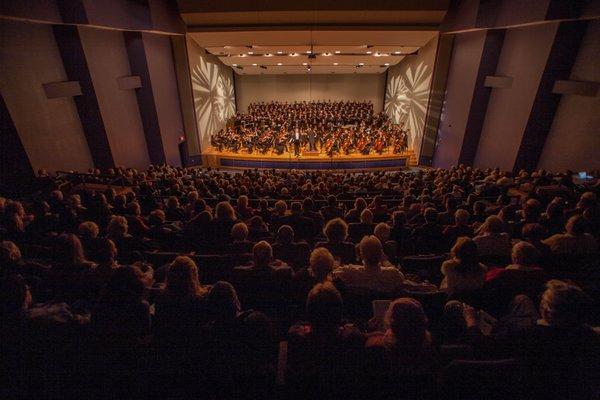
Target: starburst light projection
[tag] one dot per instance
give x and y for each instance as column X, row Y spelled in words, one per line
column 406, row 98
column 214, row 97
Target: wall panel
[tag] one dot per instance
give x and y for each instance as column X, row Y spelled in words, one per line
column 50, row 129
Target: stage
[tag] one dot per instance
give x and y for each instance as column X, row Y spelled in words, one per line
column 241, row 160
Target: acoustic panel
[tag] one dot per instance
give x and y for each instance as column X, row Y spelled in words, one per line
column 498, row 82
column 129, row 82
column 578, row 88
column 62, row 89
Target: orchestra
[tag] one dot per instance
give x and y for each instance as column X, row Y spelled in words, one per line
column 325, row 127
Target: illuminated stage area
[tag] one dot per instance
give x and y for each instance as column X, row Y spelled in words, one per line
column 287, row 160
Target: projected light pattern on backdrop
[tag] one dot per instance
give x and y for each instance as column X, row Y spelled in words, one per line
column 214, row 98
column 406, row 99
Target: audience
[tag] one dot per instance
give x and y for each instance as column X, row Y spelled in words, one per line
column 142, row 286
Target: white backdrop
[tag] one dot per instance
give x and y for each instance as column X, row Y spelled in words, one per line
column 290, row 88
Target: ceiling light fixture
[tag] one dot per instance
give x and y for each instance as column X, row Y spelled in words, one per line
column 268, row 55
column 308, row 52
column 279, row 52
column 326, row 54
column 254, row 65
column 304, row 63
column 250, row 52
column 337, row 52
column 279, row 64
column 369, row 52
column 235, row 65
column 293, row 54
column 396, row 52
column 386, row 64
column 361, row 64
column 335, row 63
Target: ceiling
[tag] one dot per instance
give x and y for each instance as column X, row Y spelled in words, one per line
column 310, row 36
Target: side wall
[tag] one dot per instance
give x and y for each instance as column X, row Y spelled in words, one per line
column 574, row 138
column 459, row 91
column 358, row 87
column 107, row 60
column 523, row 58
column 50, row 129
column 408, row 91
column 213, row 91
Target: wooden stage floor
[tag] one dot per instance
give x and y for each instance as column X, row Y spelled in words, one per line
column 387, row 160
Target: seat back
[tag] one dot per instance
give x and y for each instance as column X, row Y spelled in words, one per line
column 474, row 379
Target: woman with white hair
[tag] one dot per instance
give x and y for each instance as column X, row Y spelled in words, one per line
column 372, row 274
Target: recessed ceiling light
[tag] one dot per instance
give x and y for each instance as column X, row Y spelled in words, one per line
column 335, row 63
column 369, row 52
column 326, row 54
column 268, row 55
column 279, row 52
column 279, row 64
column 337, row 52
column 293, row 54
column 254, row 65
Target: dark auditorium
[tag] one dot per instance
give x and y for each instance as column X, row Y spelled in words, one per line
column 300, row 199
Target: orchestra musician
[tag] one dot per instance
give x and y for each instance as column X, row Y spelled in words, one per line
column 329, row 127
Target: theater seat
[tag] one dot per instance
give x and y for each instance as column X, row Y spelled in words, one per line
column 494, row 379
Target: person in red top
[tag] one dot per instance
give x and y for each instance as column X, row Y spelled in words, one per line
column 523, row 276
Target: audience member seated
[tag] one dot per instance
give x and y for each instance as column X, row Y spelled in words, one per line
column 372, row 275
column 575, row 241
column 180, row 310
column 286, row 249
column 122, row 313
column 463, row 272
column 429, row 237
column 332, row 209
column 336, row 232
column 523, row 276
column 491, row 241
column 356, row 231
column 460, row 227
column 400, row 361
column 322, row 352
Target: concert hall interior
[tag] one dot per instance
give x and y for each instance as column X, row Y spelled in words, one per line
column 281, row 199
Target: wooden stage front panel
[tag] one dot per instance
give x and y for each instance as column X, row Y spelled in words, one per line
column 217, row 159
